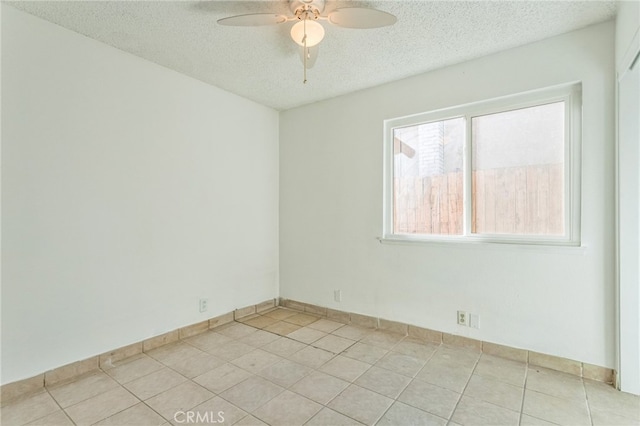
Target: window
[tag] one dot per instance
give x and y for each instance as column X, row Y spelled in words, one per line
column 505, row 170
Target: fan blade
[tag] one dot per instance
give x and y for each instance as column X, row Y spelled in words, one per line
column 312, row 55
column 357, row 17
column 253, row 20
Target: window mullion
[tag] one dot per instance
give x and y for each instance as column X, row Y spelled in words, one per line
column 467, row 178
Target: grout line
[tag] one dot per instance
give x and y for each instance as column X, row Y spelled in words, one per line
column 475, row 365
column 403, row 388
column 152, row 409
column 131, row 393
column 524, row 390
column 144, row 375
column 586, row 397
column 58, row 404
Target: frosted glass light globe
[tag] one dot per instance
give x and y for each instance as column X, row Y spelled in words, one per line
column 315, row 33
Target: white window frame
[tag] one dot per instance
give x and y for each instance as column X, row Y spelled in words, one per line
column 570, row 93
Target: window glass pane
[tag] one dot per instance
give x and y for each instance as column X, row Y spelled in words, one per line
column 518, row 171
column 428, row 195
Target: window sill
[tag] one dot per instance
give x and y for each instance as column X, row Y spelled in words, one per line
column 537, row 246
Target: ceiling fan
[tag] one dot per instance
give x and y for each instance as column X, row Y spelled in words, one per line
column 307, row 32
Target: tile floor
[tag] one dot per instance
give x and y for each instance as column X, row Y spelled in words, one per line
column 288, row 368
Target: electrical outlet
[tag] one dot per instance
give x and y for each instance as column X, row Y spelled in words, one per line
column 204, row 305
column 462, row 318
column 337, row 295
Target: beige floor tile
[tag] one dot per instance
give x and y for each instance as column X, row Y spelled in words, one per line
column 346, row 380
column 282, row 328
column 301, row 319
column 554, row 409
column 209, row 341
column 326, row 325
column 332, row 343
column 180, row 398
column 252, row 393
column 235, row 330
column 261, row 322
column 555, row 383
column 495, row 349
column 280, row 313
column 361, row 320
column 462, row 342
column 555, row 363
column 383, row 381
column 110, row 364
column 471, row 411
column 217, row 410
column 57, row 418
column 83, row 388
column 461, row 356
column 197, row 365
column 288, row 409
column 125, row 372
column 285, row 373
column 154, row 383
column 403, row 414
column 345, row 368
column 311, row 357
column 232, row 350
column 352, row 332
column 267, row 310
column 501, row 369
column 250, row 421
column 306, row 335
column 605, row 398
column 430, row 398
column 222, row 378
column 320, row 387
column 139, row 414
column 284, row 347
column 366, row 353
column 402, row 364
column 256, row 360
column 30, row 408
column 527, row 420
column 174, row 352
column 382, row 339
column 497, row 393
column 415, row 348
column 247, row 318
column 327, row 416
column 101, row 406
column 259, row 338
column 361, row 404
column 445, row 373
column 609, row 417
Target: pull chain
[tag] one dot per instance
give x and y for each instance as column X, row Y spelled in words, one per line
column 304, row 41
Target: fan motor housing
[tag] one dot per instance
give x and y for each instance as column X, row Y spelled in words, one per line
column 315, row 5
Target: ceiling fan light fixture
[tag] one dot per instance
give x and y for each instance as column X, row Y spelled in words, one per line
column 314, row 31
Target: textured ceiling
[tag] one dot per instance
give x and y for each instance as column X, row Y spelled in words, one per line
column 263, row 63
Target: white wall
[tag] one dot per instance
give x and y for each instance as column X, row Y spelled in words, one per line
column 627, row 47
column 627, row 27
column 558, row 301
column 129, row 192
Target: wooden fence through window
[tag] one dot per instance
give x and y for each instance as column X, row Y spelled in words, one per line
column 517, row 200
